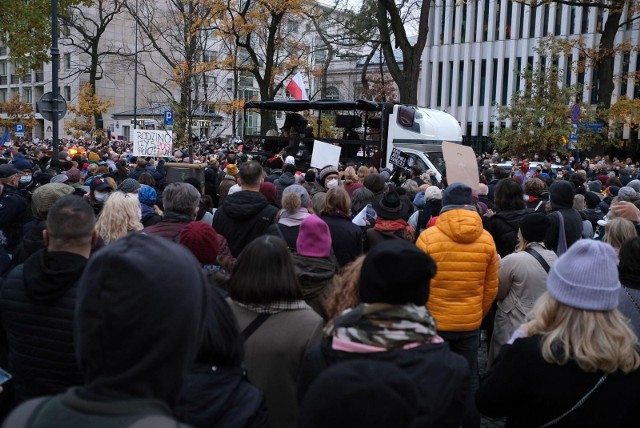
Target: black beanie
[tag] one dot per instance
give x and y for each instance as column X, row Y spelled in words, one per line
column 457, row 194
column 364, row 393
column 534, row 227
column 592, row 199
column 396, row 272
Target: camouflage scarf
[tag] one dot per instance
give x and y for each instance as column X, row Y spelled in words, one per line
column 384, row 325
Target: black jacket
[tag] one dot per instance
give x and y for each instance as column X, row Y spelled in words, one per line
column 441, row 376
column 13, row 215
column 561, row 197
column 223, row 398
column 281, row 183
column 243, row 217
column 37, row 302
column 504, row 226
column 346, row 238
column 531, row 392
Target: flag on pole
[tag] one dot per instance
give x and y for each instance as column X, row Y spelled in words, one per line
column 6, row 138
column 296, row 88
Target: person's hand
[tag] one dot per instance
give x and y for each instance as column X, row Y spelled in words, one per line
column 489, row 213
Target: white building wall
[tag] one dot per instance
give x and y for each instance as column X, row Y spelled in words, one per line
column 500, row 39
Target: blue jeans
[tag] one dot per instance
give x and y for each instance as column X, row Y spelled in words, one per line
column 466, row 344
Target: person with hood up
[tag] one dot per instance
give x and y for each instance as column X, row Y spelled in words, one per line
column 561, row 195
column 467, row 280
column 313, row 263
column 286, row 179
column 129, row 323
column 42, row 292
column 246, row 214
column 504, row 224
column 393, row 325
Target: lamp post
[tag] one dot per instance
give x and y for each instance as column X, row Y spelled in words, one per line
column 135, row 76
column 55, row 64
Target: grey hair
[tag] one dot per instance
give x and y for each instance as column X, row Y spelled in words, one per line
column 180, row 198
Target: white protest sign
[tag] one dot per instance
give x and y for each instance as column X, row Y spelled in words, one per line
column 461, row 163
column 324, row 154
column 147, row 142
column 361, row 218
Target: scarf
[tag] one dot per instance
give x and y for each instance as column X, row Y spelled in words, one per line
column 385, row 326
column 293, row 219
column 384, row 225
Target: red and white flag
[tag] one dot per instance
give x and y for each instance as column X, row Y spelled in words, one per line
column 296, row 88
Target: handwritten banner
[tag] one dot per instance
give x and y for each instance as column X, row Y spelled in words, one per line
column 148, row 142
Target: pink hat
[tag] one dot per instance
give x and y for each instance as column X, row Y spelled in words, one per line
column 314, row 239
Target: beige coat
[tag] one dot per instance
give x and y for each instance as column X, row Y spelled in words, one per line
column 522, row 281
column 274, row 354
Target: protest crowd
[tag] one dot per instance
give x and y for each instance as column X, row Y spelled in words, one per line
column 277, row 295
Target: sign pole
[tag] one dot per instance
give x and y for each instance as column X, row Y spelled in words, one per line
column 55, row 64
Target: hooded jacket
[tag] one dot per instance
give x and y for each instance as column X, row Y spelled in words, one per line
column 139, row 323
column 37, row 303
column 467, row 280
column 284, row 181
column 561, row 195
column 316, row 277
column 243, row 216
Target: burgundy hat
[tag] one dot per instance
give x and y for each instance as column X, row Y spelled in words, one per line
column 269, row 191
column 202, row 240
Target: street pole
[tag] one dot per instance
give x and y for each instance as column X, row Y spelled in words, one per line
column 135, row 78
column 55, row 63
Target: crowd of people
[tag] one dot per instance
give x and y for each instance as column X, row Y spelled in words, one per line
column 269, row 296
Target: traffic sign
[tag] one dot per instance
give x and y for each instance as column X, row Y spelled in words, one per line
column 46, row 103
column 19, row 130
column 168, row 118
column 594, row 127
column 575, row 112
column 573, row 137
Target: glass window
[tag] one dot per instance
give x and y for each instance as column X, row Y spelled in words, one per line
column 67, row 93
column 497, row 31
column 494, row 80
column 450, row 82
column 483, row 80
column 472, row 70
column 558, row 21
column 460, row 82
column 439, row 100
column 505, row 80
column 28, row 95
column 485, row 21
column 532, row 22
column 332, row 93
column 67, row 61
column 3, row 95
column 572, row 19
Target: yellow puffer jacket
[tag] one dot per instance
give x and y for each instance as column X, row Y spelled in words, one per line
column 467, row 280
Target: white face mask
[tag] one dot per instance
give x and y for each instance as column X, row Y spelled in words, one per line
column 332, row 184
column 100, row 196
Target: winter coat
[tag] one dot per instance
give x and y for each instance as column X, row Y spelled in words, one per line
column 346, row 238
column 531, row 392
column 157, row 173
column 593, row 215
column 504, row 226
column 37, row 303
column 316, row 277
column 281, row 183
column 561, row 196
column 243, row 216
column 149, row 216
column 441, row 377
column 274, row 354
column 522, row 281
column 467, row 279
column 220, row 397
column 13, row 215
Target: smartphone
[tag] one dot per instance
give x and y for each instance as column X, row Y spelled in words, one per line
column 4, row 376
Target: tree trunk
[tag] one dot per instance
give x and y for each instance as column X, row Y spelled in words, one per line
column 604, row 72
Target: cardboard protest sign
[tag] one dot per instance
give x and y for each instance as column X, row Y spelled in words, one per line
column 398, row 158
column 147, row 142
column 325, row 154
column 461, row 164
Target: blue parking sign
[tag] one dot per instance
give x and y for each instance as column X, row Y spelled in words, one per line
column 19, row 130
column 168, row 118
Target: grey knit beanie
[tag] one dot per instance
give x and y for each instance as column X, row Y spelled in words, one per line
column 129, row 185
column 586, row 277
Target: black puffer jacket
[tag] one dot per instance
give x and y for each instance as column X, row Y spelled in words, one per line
column 504, row 226
column 37, row 302
column 442, row 378
column 561, row 196
column 285, row 180
column 243, row 217
column 223, row 398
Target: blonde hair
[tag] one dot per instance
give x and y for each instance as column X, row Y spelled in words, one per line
column 344, row 293
column 578, row 203
column 617, row 231
column 291, row 202
column 350, row 174
column 120, row 215
column 363, row 171
column 595, row 340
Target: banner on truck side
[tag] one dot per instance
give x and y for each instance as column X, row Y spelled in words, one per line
column 325, row 154
column 461, row 164
column 148, row 142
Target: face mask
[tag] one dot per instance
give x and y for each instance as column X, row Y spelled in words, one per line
column 100, row 196
column 26, row 179
column 332, row 184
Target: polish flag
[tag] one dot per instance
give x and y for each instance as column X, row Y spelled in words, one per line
column 296, row 88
